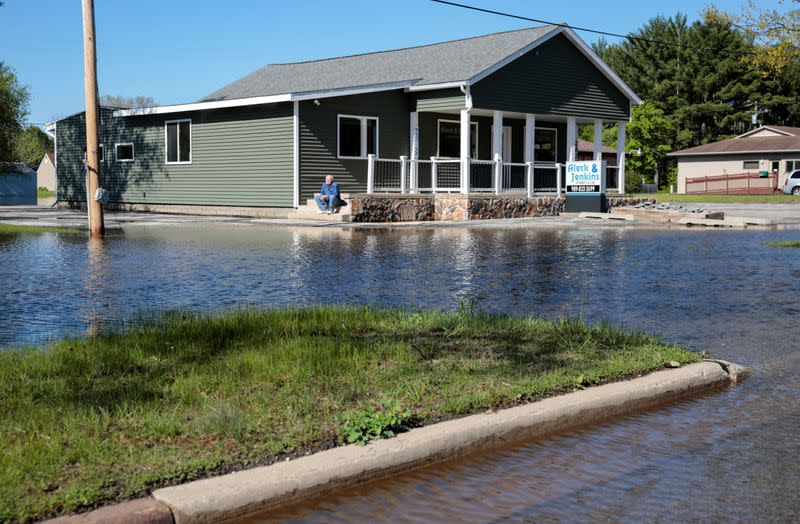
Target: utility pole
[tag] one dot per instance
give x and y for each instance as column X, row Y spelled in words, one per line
column 96, row 226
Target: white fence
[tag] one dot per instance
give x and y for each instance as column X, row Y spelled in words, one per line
column 443, row 175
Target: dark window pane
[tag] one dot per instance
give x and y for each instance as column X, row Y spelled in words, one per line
column 349, row 137
column 125, row 152
column 372, row 136
column 449, row 139
column 473, row 141
column 545, row 145
column 100, row 149
column 172, row 142
column 185, row 140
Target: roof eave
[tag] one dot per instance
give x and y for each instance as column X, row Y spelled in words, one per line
column 752, row 152
column 272, row 99
column 756, row 130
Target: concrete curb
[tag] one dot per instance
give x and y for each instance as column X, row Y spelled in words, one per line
column 240, row 493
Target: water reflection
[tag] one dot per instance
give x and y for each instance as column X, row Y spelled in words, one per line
column 731, row 455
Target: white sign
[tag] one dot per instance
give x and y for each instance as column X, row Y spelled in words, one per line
column 586, row 178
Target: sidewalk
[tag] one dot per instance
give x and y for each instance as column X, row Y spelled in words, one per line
column 780, row 214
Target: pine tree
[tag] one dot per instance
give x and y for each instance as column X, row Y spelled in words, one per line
column 693, row 73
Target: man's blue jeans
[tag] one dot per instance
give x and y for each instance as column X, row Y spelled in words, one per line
column 327, row 205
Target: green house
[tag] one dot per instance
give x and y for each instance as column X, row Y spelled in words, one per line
column 494, row 113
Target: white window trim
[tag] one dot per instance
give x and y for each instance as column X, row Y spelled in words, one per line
column 439, row 136
column 536, row 160
column 116, row 155
column 166, row 156
column 363, row 120
column 757, row 162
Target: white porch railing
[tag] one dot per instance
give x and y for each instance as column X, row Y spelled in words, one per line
column 443, row 175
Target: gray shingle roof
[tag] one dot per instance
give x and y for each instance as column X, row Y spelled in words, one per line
column 454, row 61
column 766, row 144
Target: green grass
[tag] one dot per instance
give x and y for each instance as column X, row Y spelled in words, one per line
column 43, row 192
column 783, row 243
column 700, row 199
column 6, row 229
column 85, row 422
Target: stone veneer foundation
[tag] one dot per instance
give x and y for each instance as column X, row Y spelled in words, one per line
column 455, row 207
column 450, row 207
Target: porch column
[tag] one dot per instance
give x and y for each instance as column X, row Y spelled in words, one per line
column 466, row 140
column 530, row 137
column 497, row 150
column 530, row 153
column 572, row 134
column 497, row 133
column 598, row 140
column 413, row 144
column 621, row 157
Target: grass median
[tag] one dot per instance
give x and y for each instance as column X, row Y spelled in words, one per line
column 10, row 229
column 185, row 396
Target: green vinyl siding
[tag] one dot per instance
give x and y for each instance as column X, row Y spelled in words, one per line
column 440, row 100
column 239, row 157
column 553, row 79
column 318, row 138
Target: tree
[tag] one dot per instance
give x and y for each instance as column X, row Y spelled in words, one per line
column 127, row 102
column 776, row 56
column 776, row 35
column 13, row 110
column 649, row 131
column 693, row 73
column 32, row 144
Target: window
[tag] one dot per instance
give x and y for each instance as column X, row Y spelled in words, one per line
column 796, row 174
column 450, row 139
column 545, row 144
column 178, row 138
column 358, row 136
column 750, row 164
column 791, row 165
column 124, row 152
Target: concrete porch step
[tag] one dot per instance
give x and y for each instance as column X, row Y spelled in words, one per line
column 310, row 201
column 311, row 212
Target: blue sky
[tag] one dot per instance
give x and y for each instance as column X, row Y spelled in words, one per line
column 177, row 51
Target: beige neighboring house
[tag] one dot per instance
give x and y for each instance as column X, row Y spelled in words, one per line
column 751, row 162
column 46, row 174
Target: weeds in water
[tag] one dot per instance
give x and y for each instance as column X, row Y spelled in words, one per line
column 365, row 425
column 783, row 243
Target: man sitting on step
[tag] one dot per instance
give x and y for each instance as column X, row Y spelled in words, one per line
column 328, row 197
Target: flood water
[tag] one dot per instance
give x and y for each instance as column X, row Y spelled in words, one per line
column 727, row 456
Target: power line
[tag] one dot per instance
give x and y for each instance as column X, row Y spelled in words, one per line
column 576, row 28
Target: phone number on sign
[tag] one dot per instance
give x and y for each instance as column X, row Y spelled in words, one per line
column 583, row 189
